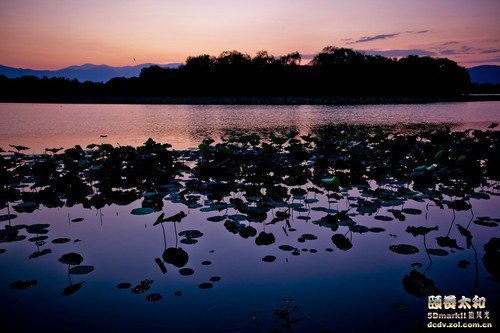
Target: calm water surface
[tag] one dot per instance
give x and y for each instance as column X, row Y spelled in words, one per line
column 359, row 290
column 41, row 126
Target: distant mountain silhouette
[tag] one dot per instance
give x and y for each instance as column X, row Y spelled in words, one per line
column 485, row 74
column 86, row 72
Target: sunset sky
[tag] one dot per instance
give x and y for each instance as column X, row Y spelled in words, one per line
column 50, row 34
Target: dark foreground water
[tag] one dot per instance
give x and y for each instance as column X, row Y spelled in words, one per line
column 272, row 242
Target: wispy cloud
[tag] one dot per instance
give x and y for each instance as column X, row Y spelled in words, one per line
column 395, row 53
column 365, row 39
column 400, row 52
column 489, row 51
column 372, row 38
column 449, row 52
column 452, row 42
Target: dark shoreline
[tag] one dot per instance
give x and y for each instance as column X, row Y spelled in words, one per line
column 253, row 100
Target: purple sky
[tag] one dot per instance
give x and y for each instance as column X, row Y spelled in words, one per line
column 50, row 34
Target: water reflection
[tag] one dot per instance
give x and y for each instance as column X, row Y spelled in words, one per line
column 41, row 126
column 285, row 199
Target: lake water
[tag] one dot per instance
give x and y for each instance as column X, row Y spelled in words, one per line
column 313, row 285
column 41, row 126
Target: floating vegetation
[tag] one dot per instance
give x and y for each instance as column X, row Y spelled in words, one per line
column 277, row 192
column 205, row 285
column 269, row 259
column 191, row 234
column 341, row 242
column 60, row 240
column 142, row 211
column 81, row 270
column 71, row 259
column 123, row 285
column 23, row 284
column 404, row 249
column 142, row 287
column 188, row 241
column 37, row 254
column 153, row 297
column 186, row 271
column 286, row 248
column 175, row 256
column 418, row 285
column 437, row 252
column 72, row 288
column 463, row 264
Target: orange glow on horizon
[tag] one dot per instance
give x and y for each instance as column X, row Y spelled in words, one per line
column 51, row 34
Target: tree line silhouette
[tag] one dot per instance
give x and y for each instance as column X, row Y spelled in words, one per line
column 333, row 72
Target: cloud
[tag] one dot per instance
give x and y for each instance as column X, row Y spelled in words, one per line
column 399, row 52
column 488, row 51
column 372, row 38
column 386, row 53
column 449, row 52
column 484, row 61
column 422, row 31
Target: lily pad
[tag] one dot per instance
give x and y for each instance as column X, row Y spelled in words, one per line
column 418, row 285
column 216, row 218
column 191, row 234
column 269, row 259
column 376, row 229
column 123, row 285
column 438, row 252
column 7, row 217
column 415, row 231
column 265, row 238
column 205, row 285
column 341, row 242
column 78, row 219
column 206, row 263
column 71, row 259
column 309, row 237
column 404, row 249
column 177, row 217
column 247, row 232
column 81, row 270
column 175, row 256
column 186, row 271
column 140, row 288
column 38, row 238
column 60, row 240
column 142, row 211
column 20, row 285
column 153, row 297
column 485, row 223
column 411, row 211
column 383, row 218
column 215, row 278
column 37, row 254
column 286, row 248
column 188, row 241
column 72, row 288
